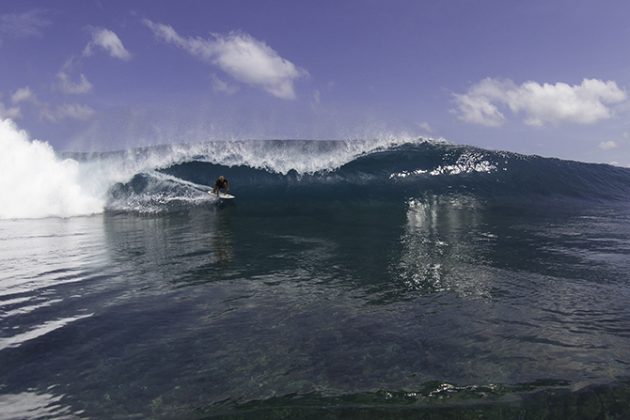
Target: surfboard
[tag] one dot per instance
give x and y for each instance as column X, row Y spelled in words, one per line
column 223, row 196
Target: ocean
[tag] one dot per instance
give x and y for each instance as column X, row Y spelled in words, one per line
column 389, row 278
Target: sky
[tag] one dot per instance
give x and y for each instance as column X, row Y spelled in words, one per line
column 538, row 77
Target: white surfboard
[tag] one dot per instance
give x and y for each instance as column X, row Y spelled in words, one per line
column 222, row 195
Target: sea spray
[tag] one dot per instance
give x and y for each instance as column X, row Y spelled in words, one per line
column 37, row 183
column 34, row 182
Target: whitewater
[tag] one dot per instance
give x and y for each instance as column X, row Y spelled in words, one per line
column 38, row 182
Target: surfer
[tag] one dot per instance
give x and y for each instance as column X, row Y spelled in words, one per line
column 221, row 185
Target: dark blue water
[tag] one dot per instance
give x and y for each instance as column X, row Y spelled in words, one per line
column 496, row 287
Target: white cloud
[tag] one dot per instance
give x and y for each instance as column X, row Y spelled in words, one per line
column 24, row 94
column 47, row 111
column 241, row 56
column 222, row 86
column 317, row 96
column 101, row 38
column 608, row 145
column 9, row 112
column 22, row 25
column 68, row 111
column 108, row 41
column 476, row 105
column 585, row 103
column 21, row 95
column 66, row 85
column 425, row 126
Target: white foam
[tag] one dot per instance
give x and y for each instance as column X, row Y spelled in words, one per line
column 35, row 182
column 304, row 157
column 466, row 163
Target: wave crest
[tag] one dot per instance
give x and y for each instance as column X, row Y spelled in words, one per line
column 38, row 183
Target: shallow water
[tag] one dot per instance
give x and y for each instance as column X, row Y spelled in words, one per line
column 449, row 304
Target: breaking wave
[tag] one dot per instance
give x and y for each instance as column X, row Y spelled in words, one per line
column 37, row 182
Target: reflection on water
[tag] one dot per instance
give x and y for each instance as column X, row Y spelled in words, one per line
column 46, row 264
column 268, row 303
column 36, row 254
column 33, row 405
column 183, row 248
column 38, row 331
column 442, row 244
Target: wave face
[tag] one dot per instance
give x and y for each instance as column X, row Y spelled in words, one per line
column 293, row 170
column 37, row 182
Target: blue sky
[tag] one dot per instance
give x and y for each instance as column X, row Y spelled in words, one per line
column 538, row 77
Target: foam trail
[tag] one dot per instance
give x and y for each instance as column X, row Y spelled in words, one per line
column 34, row 182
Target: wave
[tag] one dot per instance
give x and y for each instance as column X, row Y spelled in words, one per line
column 407, row 170
column 34, row 182
column 37, row 182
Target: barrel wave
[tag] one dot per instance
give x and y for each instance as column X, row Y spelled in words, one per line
column 37, row 182
column 319, row 169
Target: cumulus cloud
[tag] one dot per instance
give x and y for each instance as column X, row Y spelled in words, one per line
column 476, row 106
column 68, row 111
column 66, row 85
column 608, row 145
column 540, row 104
column 22, row 25
column 239, row 55
column 109, row 42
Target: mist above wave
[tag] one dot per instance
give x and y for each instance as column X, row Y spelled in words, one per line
column 36, row 182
